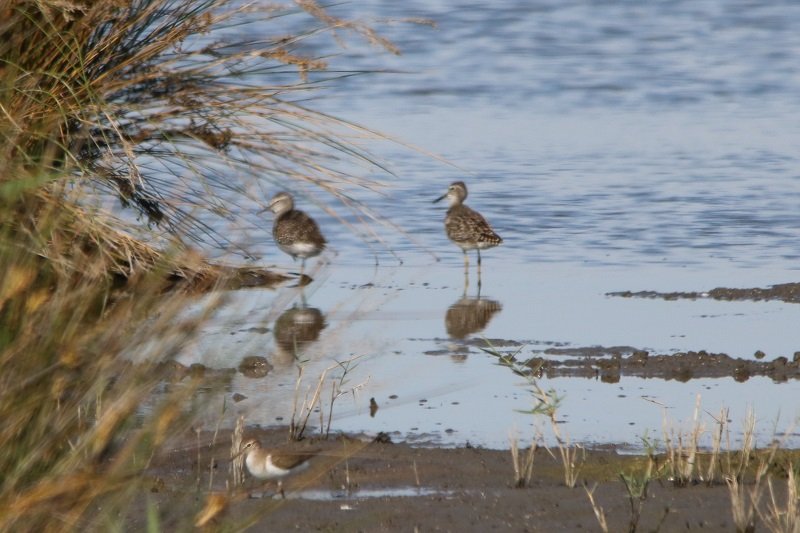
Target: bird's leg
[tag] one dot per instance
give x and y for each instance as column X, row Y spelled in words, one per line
column 302, row 266
column 280, row 489
column 466, row 272
column 479, row 272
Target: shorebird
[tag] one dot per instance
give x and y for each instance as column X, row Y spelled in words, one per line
column 269, row 464
column 295, row 233
column 466, row 227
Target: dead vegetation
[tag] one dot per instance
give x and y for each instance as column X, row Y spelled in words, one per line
column 181, row 114
column 154, row 103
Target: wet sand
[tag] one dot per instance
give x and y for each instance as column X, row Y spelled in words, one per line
column 358, row 484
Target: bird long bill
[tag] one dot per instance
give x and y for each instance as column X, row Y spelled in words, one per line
column 440, row 198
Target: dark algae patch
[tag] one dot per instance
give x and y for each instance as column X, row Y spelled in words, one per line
column 610, row 364
column 786, row 292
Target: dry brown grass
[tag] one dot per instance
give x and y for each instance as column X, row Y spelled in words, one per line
column 69, row 400
column 783, row 516
column 599, row 512
column 151, row 102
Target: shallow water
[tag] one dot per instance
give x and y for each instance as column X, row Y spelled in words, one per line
column 365, row 494
column 614, row 146
column 432, row 386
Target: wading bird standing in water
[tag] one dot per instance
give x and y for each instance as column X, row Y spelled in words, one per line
column 295, row 233
column 466, row 227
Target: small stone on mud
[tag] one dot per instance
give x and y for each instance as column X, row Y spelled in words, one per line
column 254, row 366
column 238, row 397
column 383, row 438
column 759, row 354
column 393, row 397
column 158, row 485
column 610, row 378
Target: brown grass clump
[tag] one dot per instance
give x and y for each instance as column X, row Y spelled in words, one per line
column 70, row 397
column 187, row 114
column 154, row 102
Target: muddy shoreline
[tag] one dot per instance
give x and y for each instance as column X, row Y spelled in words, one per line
column 360, row 484
column 368, row 483
column 611, row 364
column 785, row 292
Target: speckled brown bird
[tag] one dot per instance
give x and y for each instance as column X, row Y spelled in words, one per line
column 466, row 227
column 295, row 233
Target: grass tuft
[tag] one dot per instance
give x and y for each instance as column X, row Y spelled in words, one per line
column 183, row 110
column 130, row 132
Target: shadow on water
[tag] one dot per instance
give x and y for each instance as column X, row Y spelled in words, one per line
column 366, row 493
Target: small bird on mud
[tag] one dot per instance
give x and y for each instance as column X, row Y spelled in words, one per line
column 295, row 233
column 466, row 227
column 269, row 464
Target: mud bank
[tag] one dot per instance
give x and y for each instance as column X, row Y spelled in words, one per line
column 363, row 484
column 610, row 364
column 786, row 292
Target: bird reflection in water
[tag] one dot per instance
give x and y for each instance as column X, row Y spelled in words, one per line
column 468, row 316
column 294, row 330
